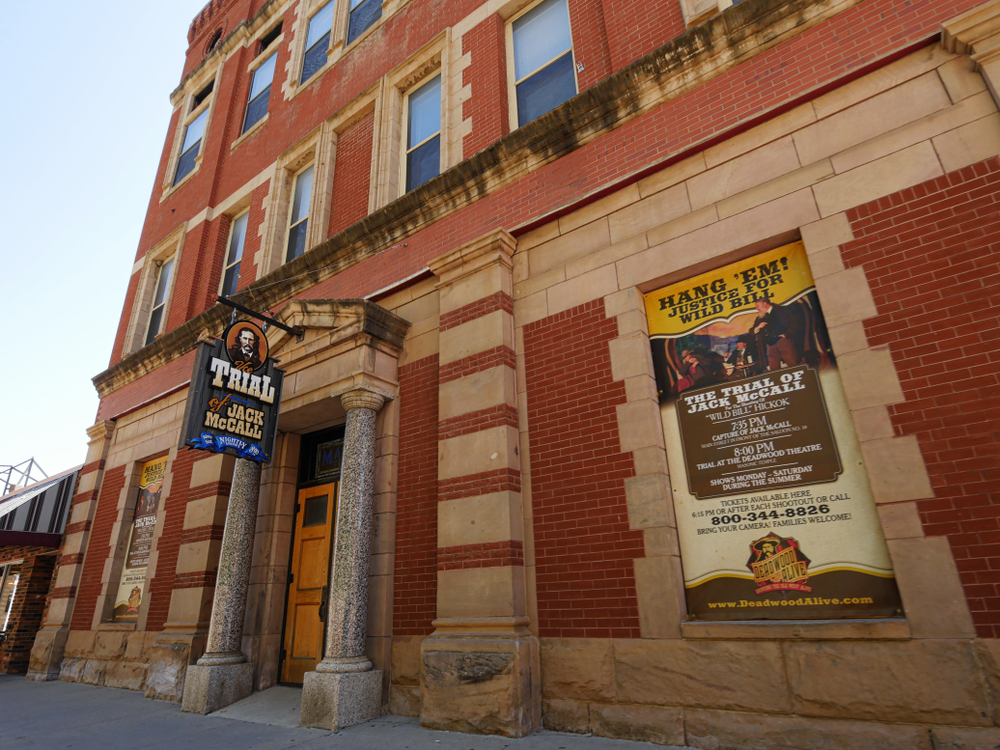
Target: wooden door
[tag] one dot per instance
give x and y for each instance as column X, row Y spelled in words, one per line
column 309, row 574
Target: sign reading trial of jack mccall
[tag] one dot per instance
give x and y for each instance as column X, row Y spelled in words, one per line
column 774, row 511
column 232, row 406
column 133, row 580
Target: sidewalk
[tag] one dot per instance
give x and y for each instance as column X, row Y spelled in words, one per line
column 57, row 715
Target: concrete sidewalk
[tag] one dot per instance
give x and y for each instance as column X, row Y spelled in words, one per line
column 57, row 715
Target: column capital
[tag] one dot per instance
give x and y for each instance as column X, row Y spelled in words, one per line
column 976, row 33
column 364, row 397
column 496, row 247
column 100, row 431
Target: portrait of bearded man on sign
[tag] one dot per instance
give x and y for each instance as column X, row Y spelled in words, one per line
column 246, row 346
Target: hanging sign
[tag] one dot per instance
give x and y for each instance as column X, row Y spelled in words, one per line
column 133, row 580
column 774, row 511
column 235, row 393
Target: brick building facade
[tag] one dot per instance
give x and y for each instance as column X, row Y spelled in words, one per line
column 526, row 488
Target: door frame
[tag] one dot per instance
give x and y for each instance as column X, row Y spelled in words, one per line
column 307, row 447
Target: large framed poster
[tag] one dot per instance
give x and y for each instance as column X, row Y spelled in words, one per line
column 133, row 580
column 774, row 511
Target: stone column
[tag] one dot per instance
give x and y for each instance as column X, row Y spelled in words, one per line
column 345, row 690
column 223, row 675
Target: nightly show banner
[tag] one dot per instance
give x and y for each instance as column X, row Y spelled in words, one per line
column 232, row 406
column 133, row 580
column 774, row 511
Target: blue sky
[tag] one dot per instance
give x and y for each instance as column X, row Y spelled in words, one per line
column 85, row 113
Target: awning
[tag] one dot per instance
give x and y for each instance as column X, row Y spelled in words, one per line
column 15, row 501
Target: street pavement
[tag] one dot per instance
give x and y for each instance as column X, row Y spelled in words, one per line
column 58, row 715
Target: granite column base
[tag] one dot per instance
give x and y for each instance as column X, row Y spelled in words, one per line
column 333, row 701
column 207, row 689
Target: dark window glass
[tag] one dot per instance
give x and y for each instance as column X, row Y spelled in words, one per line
column 296, row 240
column 186, row 163
column 268, row 39
column 314, row 514
column 154, row 325
column 328, row 458
column 202, row 96
column 315, row 58
column 423, row 164
column 363, row 14
column 260, row 92
column 256, row 109
column 546, row 89
column 231, row 279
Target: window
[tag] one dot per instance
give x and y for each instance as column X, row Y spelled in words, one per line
column 298, row 220
column 9, row 576
column 192, row 146
column 363, row 14
column 543, row 60
column 268, row 39
column 159, row 301
column 317, row 42
column 231, row 274
column 423, row 134
column 260, row 92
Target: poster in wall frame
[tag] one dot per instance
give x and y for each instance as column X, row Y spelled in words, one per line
column 775, row 514
column 132, row 584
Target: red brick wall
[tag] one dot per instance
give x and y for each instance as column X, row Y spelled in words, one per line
column 352, row 174
column 415, row 588
column 636, row 29
column 252, row 243
column 168, row 545
column 583, row 545
column 97, row 549
column 28, row 609
column 487, row 75
column 932, row 258
column 590, row 38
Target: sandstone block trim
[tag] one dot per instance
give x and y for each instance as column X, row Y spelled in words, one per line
column 487, row 360
column 504, row 554
column 476, row 421
column 484, row 483
column 479, row 308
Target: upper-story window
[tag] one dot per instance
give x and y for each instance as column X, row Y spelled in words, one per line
column 544, row 75
column 260, row 92
column 423, row 134
column 193, row 134
column 159, row 301
column 298, row 218
column 363, row 14
column 234, row 256
column 317, row 41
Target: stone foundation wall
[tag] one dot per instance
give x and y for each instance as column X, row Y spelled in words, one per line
column 780, row 694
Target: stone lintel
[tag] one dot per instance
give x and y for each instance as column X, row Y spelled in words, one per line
column 345, row 317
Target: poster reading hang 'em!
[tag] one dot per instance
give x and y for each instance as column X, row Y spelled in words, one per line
column 133, row 580
column 774, row 511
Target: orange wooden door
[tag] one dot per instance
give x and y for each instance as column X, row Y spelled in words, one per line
column 303, row 647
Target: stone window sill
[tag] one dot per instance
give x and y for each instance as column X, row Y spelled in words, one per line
column 256, row 126
column 798, row 630
column 171, row 189
column 117, row 626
